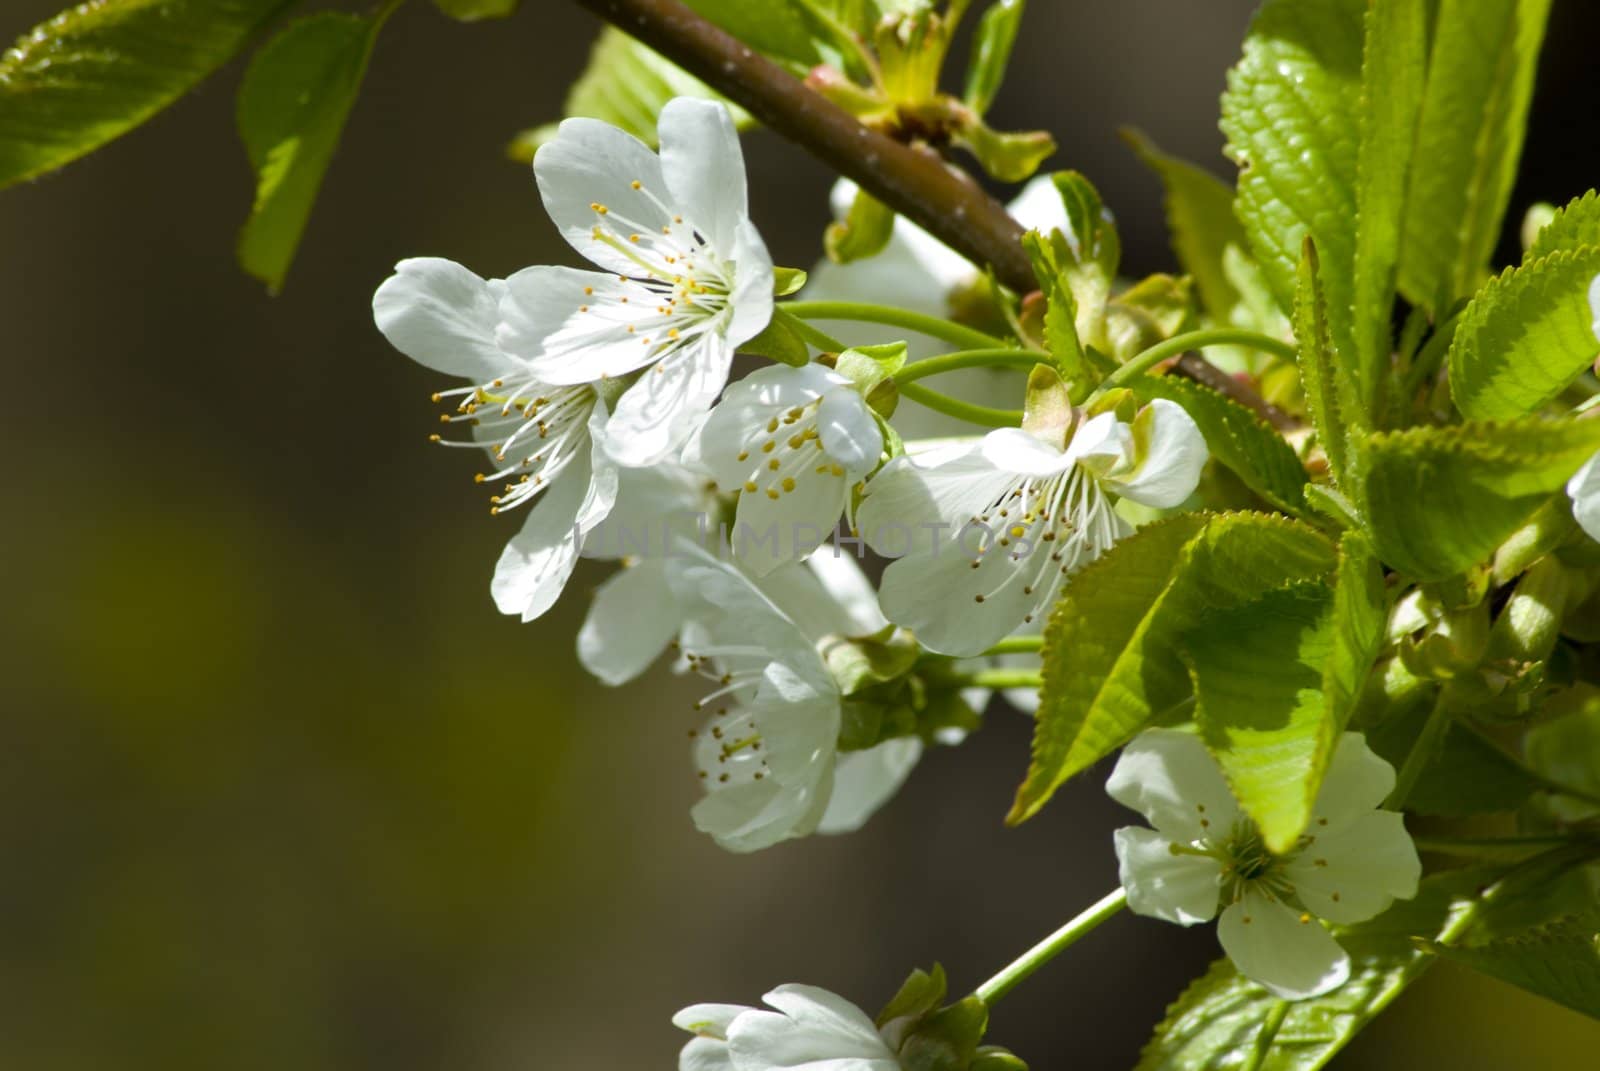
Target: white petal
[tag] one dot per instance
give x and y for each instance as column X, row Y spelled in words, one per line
column 799, row 718
column 1103, row 443
column 1177, row 888
column 631, row 621
column 769, row 532
column 534, row 567
column 1169, row 777
column 814, row 1030
column 738, row 423
column 705, row 1054
column 655, row 508
column 1353, row 871
column 1357, row 781
column 759, row 814
column 711, row 1020
column 549, row 318
column 751, row 296
column 1271, row 945
column 851, row 597
column 909, row 501
column 590, row 162
column 704, row 167
column 663, row 408
column 1584, row 488
column 863, row 781
column 848, row 431
column 443, row 316
column 1172, row 454
column 1016, row 451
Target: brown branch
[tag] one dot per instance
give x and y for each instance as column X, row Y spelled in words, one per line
column 916, row 184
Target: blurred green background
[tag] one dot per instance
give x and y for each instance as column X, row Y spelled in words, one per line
column 282, row 790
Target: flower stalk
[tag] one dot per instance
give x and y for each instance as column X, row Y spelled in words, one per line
column 1030, row 961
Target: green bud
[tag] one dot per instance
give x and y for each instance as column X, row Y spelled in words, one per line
column 994, row 1058
column 1530, row 623
column 859, row 664
column 921, row 994
column 1546, row 530
column 864, row 232
column 786, row 281
column 1453, row 647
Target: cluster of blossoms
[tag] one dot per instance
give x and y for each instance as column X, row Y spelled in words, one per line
column 602, row 401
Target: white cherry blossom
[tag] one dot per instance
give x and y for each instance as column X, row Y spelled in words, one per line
column 1584, row 488
column 544, row 440
column 685, row 278
column 810, row 1029
column 792, row 442
column 986, row 534
column 767, row 754
column 1204, row 854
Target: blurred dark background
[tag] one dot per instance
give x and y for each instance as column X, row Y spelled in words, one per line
column 282, row 790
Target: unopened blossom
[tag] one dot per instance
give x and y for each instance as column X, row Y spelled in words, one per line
column 985, row 534
column 809, row 1028
column 1204, row 854
column 767, row 753
column 544, row 440
column 684, row 276
column 792, row 442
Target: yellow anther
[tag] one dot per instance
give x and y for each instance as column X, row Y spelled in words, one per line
column 637, row 184
column 773, row 464
column 788, row 483
column 772, row 493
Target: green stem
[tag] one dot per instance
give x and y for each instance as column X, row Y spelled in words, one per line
column 816, row 336
column 1017, row 645
column 1267, row 1035
column 973, row 414
column 1423, row 751
column 951, row 362
column 1004, row 678
column 1194, row 340
column 1051, row 947
column 947, row 330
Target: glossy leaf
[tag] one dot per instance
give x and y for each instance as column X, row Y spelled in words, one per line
column 1440, row 501
column 1526, row 336
column 1111, row 659
column 97, row 70
column 1330, row 389
column 1560, row 963
column 1474, row 119
column 292, row 108
column 1575, row 226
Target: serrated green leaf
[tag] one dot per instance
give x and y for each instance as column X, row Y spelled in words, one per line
column 1237, row 439
column 473, row 10
column 1291, row 116
column 1330, row 391
column 1275, row 682
column 1088, row 254
column 1110, row 661
column 1474, row 118
column 292, row 108
column 1560, row 963
column 1215, row 1024
column 1440, row 501
column 625, row 84
column 1526, row 336
column 98, row 70
column 1575, row 226
column 1201, row 222
column 1393, row 77
column 1049, row 256
column 1257, row 679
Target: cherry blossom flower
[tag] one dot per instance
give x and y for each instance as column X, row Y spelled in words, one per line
column 809, row 1028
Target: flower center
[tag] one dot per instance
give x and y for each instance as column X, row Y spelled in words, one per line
column 728, row 749
column 532, row 430
column 790, row 449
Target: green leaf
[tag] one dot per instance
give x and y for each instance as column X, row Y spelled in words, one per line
column 1559, row 962
column 1259, row 704
column 1050, row 257
column 473, row 10
column 1439, row 501
column 98, row 70
column 1469, row 776
column 864, row 232
column 1575, row 226
column 1474, row 117
column 1330, row 391
column 1110, row 661
column 292, row 108
column 625, row 84
column 1202, row 224
column 1275, row 682
column 1393, row 77
column 1216, row 1022
column 778, row 28
column 1526, row 336
column 1291, row 116
column 1237, row 439
column 991, row 52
